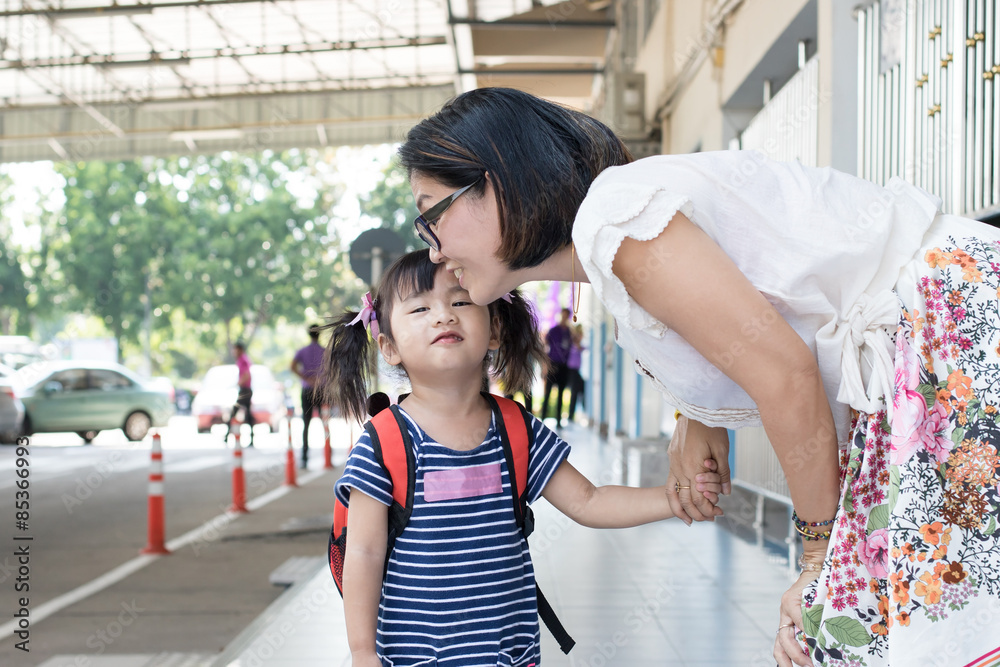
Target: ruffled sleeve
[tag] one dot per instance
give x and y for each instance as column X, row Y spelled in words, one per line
column 612, row 211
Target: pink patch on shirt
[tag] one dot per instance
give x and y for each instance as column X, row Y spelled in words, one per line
column 456, row 483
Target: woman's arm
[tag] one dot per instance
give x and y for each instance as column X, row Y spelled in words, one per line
column 686, row 281
column 612, row 506
column 364, row 562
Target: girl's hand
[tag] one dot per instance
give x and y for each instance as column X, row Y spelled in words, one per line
column 787, row 650
column 709, row 483
column 696, row 448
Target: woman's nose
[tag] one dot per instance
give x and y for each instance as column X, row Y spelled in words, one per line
column 436, row 256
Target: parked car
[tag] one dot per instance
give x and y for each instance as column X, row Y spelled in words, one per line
column 11, row 412
column 88, row 398
column 215, row 399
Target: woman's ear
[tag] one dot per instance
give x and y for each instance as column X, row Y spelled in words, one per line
column 388, row 350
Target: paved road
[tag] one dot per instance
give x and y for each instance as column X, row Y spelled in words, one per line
column 88, row 515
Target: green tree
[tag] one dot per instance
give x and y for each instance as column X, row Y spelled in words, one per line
column 252, row 252
column 119, row 223
column 212, row 248
column 13, row 281
column 391, row 202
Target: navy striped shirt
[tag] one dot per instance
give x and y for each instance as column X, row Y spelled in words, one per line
column 460, row 587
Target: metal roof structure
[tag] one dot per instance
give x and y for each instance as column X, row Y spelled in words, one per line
column 103, row 79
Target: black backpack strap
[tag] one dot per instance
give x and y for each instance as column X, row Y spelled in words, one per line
column 511, row 417
column 394, row 452
column 548, row 616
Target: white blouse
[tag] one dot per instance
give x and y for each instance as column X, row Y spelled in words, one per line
column 825, row 249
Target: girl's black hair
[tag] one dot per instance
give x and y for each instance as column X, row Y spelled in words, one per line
column 541, row 158
column 350, row 364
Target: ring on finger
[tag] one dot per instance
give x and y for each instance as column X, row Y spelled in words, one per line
column 782, row 627
column 678, row 487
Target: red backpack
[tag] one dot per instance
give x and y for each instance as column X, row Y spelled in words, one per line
column 394, row 451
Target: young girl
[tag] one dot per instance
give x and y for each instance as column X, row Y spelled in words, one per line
column 459, row 588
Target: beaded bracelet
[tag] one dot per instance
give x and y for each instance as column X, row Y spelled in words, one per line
column 813, row 536
column 810, row 524
column 805, row 528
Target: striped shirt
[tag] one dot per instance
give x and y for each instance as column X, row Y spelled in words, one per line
column 460, row 587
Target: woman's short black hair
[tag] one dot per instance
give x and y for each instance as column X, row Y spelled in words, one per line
column 541, row 159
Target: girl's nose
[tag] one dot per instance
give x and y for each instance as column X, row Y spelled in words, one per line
column 436, row 256
column 446, row 314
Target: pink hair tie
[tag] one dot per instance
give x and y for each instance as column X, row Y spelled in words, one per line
column 367, row 315
column 506, row 297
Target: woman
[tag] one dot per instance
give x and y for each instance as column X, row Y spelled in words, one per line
column 856, row 323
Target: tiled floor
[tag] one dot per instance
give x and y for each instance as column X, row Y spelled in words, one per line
column 662, row 594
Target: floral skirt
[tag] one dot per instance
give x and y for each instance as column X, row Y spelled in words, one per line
column 912, row 574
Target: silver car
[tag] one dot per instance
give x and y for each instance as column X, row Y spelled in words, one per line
column 11, row 409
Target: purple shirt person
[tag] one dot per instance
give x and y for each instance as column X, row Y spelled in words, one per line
column 559, row 340
column 306, row 364
column 308, row 361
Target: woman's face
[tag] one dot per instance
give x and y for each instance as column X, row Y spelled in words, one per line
column 469, row 233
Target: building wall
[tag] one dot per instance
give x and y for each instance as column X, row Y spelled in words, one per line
column 709, row 59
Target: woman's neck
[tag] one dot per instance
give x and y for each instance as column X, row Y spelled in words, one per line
column 558, row 266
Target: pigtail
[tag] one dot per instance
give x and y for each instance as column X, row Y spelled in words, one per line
column 520, row 345
column 349, row 367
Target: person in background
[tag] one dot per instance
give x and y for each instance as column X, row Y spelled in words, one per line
column 306, row 364
column 559, row 341
column 245, row 391
column 575, row 380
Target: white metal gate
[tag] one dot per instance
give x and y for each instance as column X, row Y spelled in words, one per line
column 929, row 99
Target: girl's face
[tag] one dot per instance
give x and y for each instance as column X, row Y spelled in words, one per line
column 469, row 233
column 439, row 331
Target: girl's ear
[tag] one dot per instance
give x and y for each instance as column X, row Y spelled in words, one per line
column 388, row 350
column 494, row 334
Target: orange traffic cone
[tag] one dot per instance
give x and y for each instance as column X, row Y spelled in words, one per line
column 239, row 480
column 155, row 513
column 290, row 459
column 327, row 449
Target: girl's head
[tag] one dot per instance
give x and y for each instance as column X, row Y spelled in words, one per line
column 427, row 325
column 531, row 160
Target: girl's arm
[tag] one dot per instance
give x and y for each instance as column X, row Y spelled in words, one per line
column 364, row 563
column 614, row 506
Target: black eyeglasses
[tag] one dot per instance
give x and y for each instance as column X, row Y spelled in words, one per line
column 430, row 217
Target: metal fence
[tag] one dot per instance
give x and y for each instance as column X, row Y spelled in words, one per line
column 787, row 127
column 756, row 470
column 929, row 102
column 757, row 467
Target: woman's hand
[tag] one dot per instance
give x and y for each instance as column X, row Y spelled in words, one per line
column 696, row 448
column 787, row 650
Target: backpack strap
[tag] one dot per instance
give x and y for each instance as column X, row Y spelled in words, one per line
column 394, row 452
column 517, row 436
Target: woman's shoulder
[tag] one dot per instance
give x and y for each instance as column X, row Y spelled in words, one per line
column 661, row 169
